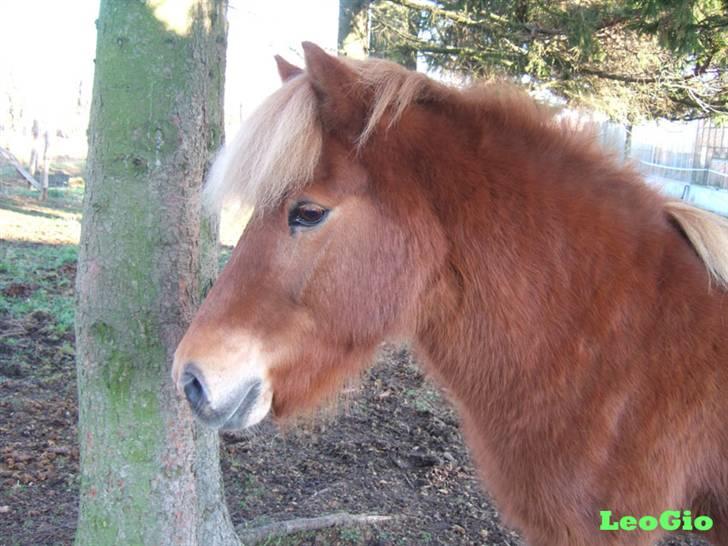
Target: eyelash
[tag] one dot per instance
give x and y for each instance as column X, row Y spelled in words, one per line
column 297, row 218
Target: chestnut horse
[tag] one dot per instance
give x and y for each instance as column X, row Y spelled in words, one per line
column 578, row 319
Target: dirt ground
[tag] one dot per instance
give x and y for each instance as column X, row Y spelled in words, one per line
column 392, row 447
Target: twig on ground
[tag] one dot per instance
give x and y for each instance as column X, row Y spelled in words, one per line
column 319, row 492
column 13, row 327
column 282, row 528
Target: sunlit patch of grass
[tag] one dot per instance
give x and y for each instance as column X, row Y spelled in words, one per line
column 38, row 279
column 22, row 261
column 24, row 217
column 38, row 246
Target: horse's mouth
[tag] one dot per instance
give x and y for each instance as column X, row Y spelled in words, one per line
column 253, row 408
column 239, row 417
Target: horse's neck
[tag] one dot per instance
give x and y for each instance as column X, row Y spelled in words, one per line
column 546, row 265
column 569, row 309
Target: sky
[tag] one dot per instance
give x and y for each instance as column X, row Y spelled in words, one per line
column 258, row 30
column 47, row 49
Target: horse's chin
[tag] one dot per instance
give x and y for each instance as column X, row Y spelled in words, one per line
column 251, row 411
column 286, row 414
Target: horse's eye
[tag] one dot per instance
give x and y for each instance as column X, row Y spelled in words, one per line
column 306, row 215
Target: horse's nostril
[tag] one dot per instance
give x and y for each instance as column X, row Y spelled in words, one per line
column 194, row 391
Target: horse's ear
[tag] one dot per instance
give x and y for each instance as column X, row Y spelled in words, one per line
column 334, row 84
column 286, row 70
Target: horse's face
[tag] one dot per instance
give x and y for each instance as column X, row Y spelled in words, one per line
column 312, row 287
column 316, row 281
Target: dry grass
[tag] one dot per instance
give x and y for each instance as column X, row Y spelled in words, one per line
column 23, row 218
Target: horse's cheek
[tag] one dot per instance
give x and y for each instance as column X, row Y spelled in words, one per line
column 357, row 289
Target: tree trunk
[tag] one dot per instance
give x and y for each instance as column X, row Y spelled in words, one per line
column 33, row 161
column 628, row 141
column 46, row 165
column 408, row 21
column 149, row 474
column 353, row 40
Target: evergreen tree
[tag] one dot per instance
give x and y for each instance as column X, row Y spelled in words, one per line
column 632, row 59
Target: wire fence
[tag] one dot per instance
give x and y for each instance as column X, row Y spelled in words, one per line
column 687, row 161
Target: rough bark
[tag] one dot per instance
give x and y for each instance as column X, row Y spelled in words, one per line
column 149, row 474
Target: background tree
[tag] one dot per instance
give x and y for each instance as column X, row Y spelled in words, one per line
column 632, row 59
column 149, row 474
column 357, row 39
column 353, row 39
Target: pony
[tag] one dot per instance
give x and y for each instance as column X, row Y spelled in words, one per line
column 576, row 318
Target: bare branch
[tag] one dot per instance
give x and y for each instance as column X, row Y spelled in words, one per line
column 18, row 167
column 283, row 528
column 452, row 15
column 502, row 22
column 628, row 79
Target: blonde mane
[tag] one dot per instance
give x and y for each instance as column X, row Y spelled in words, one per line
column 708, row 233
column 278, row 147
column 274, row 152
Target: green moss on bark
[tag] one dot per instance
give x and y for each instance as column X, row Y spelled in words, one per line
column 148, row 476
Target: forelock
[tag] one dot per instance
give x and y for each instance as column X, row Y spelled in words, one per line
column 278, row 147
column 274, row 153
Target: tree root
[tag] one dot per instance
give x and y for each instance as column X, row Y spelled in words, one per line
column 283, row 528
